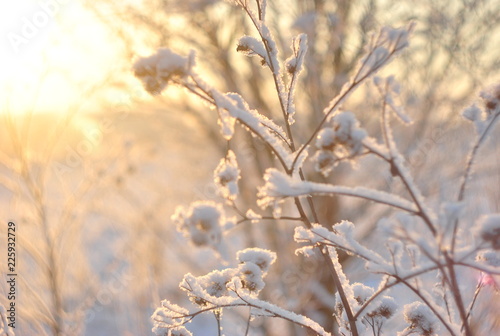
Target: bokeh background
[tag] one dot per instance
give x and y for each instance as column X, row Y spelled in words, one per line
column 92, row 167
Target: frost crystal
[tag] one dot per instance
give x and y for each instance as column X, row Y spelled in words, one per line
column 386, row 308
column 5, row 329
column 421, row 319
column 397, row 37
column 179, row 331
column 260, row 257
column 202, row 222
column 325, row 161
column 387, row 87
column 253, row 216
column 491, row 98
column 278, row 186
column 250, row 46
column 375, row 318
column 251, row 277
column 226, row 176
column 489, row 229
column 157, row 70
column 306, row 22
column 361, row 292
column 167, row 317
column 218, row 287
column 475, row 115
column 340, row 142
column 215, row 282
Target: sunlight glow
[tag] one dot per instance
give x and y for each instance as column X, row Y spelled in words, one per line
column 49, row 50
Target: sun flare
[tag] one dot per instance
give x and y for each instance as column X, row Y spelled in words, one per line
column 52, row 52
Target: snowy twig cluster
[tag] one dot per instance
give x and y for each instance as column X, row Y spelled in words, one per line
column 421, row 239
column 5, row 330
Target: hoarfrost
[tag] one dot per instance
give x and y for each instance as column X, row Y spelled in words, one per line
column 421, row 319
column 278, row 186
column 488, row 227
column 387, row 87
column 253, row 216
column 227, row 175
column 251, row 275
column 344, row 140
column 341, row 237
column 157, row 70
column 269, row 309
column 361, row 292
column 473, row 113
column 5, row 329
column 489, row 257
column 201, row 222
column 260, row 257
column 250, row 46
column 293, row 66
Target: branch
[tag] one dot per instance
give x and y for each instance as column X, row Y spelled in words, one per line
column 279, row 185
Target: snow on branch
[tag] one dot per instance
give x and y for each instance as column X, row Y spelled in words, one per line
column 268, row 309
column 5, row 330
column 341, row 236
column 229, row 288
column 342, row 141
column 157, row 70
column 263, row 127
column 294, row 65
column 279, row 186
column 226, row 176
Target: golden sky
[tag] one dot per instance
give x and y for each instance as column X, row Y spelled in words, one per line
column 51, row 52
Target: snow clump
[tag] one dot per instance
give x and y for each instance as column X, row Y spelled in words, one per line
column 421, row 319
column 226, row 176
column 489, row 230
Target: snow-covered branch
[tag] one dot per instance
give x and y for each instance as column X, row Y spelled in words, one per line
column 279, row 185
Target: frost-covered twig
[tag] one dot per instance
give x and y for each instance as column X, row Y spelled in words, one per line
column 382, row 50
column 452, row 329
column 279, row 186
column 271, row 310
column 271, row 59
column 396, row 160
column 339, row 137
column 5, row 329
column 341, row 237
column 230, row 288
column 294, row 66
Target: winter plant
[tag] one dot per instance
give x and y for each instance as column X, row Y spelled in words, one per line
column 5, row 329
column 430, row 249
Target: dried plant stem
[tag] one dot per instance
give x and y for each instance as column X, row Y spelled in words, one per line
column 335, row 277
column 468, row 170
